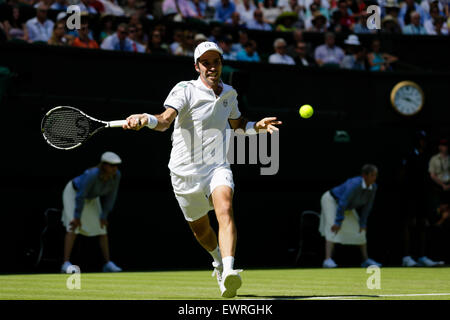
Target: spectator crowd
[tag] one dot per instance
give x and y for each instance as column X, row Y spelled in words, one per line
column 123, row 26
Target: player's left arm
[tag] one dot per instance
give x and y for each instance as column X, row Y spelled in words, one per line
column 266, row 124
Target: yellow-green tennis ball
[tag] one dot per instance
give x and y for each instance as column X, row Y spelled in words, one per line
column 306, row 111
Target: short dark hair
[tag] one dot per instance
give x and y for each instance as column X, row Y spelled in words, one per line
column 368, row 168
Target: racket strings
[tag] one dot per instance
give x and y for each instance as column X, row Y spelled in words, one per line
column 66, row 128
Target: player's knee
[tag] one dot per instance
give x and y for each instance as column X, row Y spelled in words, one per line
column 224, row 209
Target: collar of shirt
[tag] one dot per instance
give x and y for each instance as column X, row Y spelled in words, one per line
column 364, row 186
column 200, row 85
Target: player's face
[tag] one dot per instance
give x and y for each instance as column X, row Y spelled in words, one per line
column 210, row 68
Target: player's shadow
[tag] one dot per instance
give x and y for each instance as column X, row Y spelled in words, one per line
column 327, row 297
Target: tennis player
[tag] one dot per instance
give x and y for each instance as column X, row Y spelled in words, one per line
column 203, row 110
column 87, row 200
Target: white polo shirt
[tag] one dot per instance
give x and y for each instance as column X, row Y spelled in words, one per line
column 200, row 138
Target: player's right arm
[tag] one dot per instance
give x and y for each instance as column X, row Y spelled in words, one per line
column 164, row 120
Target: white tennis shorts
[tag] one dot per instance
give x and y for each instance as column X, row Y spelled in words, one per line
column 349, row 232
column 192, row 192
column 90, row 216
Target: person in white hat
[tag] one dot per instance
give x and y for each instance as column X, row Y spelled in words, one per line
column 203, row 111
column 355, row 59
column 87, row 201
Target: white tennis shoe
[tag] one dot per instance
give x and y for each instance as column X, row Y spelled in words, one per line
column 329, row 263
column 408, row 262
column 426, row 262
column 111, row 267
column 218, row 269
column 231, row 282
column 66, row 265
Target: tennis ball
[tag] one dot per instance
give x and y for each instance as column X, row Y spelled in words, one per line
column 306, row 111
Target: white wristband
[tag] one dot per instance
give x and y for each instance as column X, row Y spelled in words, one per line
column 152, row 121
column 250, row 128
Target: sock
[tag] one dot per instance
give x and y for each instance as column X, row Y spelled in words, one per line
column 228, row 263
column 216, row 255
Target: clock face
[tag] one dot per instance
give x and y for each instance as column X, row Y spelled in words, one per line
column 407, row 98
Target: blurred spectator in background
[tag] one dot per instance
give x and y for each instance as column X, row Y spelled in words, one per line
column 248, row 53
column 140, row 36
column 414, row 27
column 297, row 35
column 112, row 7
column 439, row 170
column 224, row 10
column 155, row 45
column 344, row 213
column 379, row 61
column 108, row 7
column 177, row 40
column 59, row 36
column 441, row 4
column 415, row 212
column 83, row 40
column 59, row 5
column 40, row 28
column 342, row 19
column 199, row 38
column 87, row 201
column 216, row 34
column 319, row 23
column 360, row 25
column 14, row 27
column 161, row 27
column 89, row 7
column 405, row 12
column 199, row 7
column 270, row 11
column 258, row 22
column 440, row 28
column 132, row 35
column 44, row 2
column 280, row 56
column 391, row 8
column 106, row 25
column 288, row 22
column 430, row 23
column 246, row 9
column 118, row 41
column 225, row 44
column 315, row 6
column 235, row 21
column 390, row 24
column 302, row 58
column 239, row 45
column 328, row 54
column 178, row 10
column 291, row 6
column 135, row 18
column 187, row 45
column 355, row 59
column 129, row 8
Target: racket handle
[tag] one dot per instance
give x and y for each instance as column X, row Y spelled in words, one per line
column 117, row 123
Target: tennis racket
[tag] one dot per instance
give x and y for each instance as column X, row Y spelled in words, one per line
column 67, row 128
